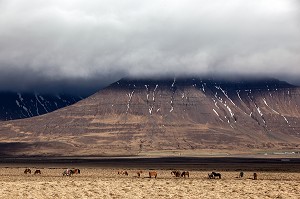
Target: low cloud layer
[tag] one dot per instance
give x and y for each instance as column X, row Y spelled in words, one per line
column 46, row 43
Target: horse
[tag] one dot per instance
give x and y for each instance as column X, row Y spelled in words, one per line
column 254, row 176
column 210, row 176
column 123, row 173
column 75, row 171
column 67, row 172
column 185, row 173
column 139, row 173
column 176, row 173
column 27, row 171
column 216, row 175
column 152, row 173
column 213, row 175
column 37, row 172
column 241, row 174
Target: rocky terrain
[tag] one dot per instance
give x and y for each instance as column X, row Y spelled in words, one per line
column 140, row 116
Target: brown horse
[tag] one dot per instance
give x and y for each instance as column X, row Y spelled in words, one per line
column 185, row 173
column 37, row 172
column 27, row 171
column 139, row 173
column 152, row 173
column 123, row 173
column 75, row 171
column 176, row 173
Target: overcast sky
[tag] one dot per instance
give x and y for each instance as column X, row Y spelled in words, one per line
column 95, row 42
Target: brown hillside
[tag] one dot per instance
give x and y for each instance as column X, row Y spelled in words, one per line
column 132, row 117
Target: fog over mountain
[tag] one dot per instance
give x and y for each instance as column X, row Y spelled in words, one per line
column 80, row 46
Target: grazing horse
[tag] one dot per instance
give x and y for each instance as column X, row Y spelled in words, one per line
column 139, row 173
column 211, row 176
column 185, row 173
column 254, row 176
column 27, row 171
column 176, row 173
column 123, row 173
column 216, row 175
column 152, row 173
column 37, row 172
column 241, row 174
column 75, row 171
column 67, row 172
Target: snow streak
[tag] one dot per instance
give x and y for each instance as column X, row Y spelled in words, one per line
column 129, row 100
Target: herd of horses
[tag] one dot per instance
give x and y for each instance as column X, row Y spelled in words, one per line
column 154, row 173
column 67, row 172
column 139, row 173
column 175, row 173
column 178, row 174
column 37, row 171
column 70, row 172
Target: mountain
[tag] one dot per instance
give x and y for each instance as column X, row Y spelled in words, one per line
column 142, row 116
column 23, row 105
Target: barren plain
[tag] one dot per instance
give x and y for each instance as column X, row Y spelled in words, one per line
column 100, row 179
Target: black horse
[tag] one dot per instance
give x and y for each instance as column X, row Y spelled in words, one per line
column 211, row 176
column 176, row 173
column 185, row 173
column 241, row 174
column 214, row 175
column 27, row 171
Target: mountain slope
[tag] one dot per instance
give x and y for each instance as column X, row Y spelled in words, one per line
column 24, row 105
column 131, row 117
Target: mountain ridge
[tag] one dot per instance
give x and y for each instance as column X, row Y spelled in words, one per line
column 19, row 105
column 137, row 116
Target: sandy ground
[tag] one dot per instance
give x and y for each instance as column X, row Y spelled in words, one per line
column 106, row 183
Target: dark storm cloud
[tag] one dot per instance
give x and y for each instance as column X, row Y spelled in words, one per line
column 59, row 41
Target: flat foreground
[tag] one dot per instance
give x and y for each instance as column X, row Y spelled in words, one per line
column 106, row 183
